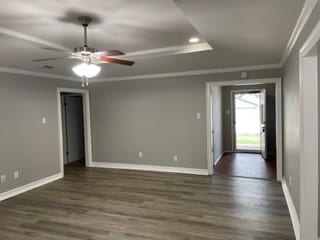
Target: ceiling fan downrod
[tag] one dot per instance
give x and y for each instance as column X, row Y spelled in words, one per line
column 85, row 20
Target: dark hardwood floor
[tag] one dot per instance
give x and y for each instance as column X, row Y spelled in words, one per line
column 137, row 205
column 248, row 165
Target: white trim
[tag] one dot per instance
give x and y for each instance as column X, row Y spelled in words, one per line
column 233, row 116
column 277, row 82
column 292, row 209
column 219, row 158
column 309, row 135
column 152, row 168
column 36, row 74
column 33, row 39
column 137, row 77
column 209, row 130
column 174, row 50
column 86, row 124
column 301, row 22
column 190, row 73
column 29, row 186
column 311, row 41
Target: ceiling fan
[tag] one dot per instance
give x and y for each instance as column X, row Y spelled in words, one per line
column 88, row 56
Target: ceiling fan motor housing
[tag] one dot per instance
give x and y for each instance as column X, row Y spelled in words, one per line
column 85, row 49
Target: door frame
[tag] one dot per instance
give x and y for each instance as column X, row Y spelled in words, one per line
column 278, row 86
column 233, row 114
column 309, row 96
column 86, row 124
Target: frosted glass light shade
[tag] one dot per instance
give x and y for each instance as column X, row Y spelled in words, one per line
column 86, row 70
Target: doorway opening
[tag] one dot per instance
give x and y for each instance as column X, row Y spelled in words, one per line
column 245, row 119
column 249, row 119
column 72, row 129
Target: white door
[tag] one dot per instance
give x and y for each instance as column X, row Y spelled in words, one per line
column 263, row 126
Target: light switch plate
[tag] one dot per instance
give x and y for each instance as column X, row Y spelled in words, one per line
column 44, row 120
column 3, row 178
column 198, row 115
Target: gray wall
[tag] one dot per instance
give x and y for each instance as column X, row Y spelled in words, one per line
column 156, row 117
column 26, row 144
column 271, row 120
column 291, row 134
column 217, row 123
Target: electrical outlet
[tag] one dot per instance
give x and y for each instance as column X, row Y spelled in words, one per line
column 290, row 180
column 16, row 174
column 140, row 155
column 175, row 158
column 3, row 178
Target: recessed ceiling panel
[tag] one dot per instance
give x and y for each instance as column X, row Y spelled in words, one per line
column 122, row 24
column 241, row 32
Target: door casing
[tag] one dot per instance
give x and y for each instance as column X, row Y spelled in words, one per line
column 233, row 112
column 278, row 84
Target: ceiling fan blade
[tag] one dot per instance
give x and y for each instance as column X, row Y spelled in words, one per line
column 109, row 53
column 48, row 59
column 115, row 60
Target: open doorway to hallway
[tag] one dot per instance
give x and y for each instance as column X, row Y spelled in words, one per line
column 72, row 120
column 244, row 141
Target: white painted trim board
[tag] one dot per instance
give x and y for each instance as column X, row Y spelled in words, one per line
column 304, row 16
column 190, row 73
column 292, row 209
column 219, row 158
column 29, row 186
column 152, row 168
column 309, row 126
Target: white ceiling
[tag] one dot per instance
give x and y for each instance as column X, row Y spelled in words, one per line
column 241, row 33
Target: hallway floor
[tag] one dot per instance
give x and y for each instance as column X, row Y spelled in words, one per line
column 246, row 165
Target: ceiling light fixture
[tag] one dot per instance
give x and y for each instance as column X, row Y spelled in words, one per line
column 88, row 55
column 194, row 40
column 85, row 71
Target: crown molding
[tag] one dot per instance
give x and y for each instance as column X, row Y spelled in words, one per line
column 150, row 53
column 36, row 74
column 146, row 76
column 190, row 73
column 305, row 14
column 174, row 50
column 32, row 39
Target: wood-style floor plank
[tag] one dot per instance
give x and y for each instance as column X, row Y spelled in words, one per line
column 136, row 205
column 250, row 165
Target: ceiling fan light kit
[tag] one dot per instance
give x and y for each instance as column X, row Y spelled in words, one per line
column 86, row 70
column 89, row 56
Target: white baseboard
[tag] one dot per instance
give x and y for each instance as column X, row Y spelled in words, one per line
column 219, row 158
column 292, row 209
column 29, row 186
column 153, row 168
